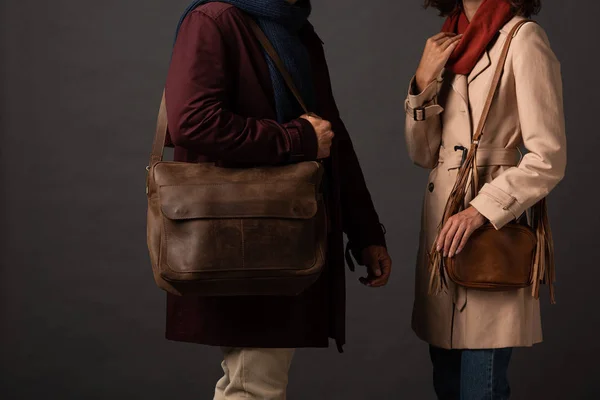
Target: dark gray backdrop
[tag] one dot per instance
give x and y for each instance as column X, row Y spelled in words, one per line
column 81, row 82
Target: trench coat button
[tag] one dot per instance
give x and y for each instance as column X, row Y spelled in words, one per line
column 431, row 187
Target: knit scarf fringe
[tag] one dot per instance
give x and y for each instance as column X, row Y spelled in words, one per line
column 543, row 266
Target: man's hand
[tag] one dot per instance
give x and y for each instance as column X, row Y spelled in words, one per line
column 457, row 230
column 379, row 266
column 324, row 134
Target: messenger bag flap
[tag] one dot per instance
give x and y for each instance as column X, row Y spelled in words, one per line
column 266, row 193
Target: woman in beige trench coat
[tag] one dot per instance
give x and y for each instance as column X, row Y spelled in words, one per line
column 470, row 332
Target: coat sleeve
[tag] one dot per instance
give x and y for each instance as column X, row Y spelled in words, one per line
column 198, row 93
column 423, row 137
column 540, row 105
column 360, row 221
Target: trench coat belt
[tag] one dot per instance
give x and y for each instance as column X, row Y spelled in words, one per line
column 452, row 158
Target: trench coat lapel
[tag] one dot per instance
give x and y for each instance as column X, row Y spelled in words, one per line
column 461, row 90
column 460, row 86
column 483, row 64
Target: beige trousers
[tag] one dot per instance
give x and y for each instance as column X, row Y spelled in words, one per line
column 252, row 373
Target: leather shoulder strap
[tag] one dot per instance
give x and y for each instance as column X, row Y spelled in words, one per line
column 158, row 145
column 496, row 80
column 270, row 50
column 161, row 124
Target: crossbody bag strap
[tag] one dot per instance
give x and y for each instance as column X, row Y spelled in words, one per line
column 161, row 125
column 496, row 80
column 272, row 53
column 158, row 145
column 488, row 104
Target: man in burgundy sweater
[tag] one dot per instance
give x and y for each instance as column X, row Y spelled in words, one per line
column 226, row 103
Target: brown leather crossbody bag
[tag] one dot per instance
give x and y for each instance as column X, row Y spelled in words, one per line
column 216, row 231
column 517, row 256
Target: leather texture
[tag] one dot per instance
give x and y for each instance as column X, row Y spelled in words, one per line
column 492, row 259
column 215, row 231
column 495, row 260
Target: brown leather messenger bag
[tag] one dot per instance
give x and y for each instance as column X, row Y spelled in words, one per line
column 216, row 231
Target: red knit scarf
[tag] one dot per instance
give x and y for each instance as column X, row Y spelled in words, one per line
column 490, row 17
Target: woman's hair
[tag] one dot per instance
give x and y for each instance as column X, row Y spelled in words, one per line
column 524, row 8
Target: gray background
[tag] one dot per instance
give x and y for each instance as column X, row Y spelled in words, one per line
column 81, row 82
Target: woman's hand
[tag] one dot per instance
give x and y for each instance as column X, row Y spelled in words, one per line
column 435, row 56
column 458, row 229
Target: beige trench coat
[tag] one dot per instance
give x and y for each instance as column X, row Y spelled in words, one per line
column 527, row 112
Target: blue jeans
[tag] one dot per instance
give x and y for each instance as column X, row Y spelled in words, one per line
column 470, row 374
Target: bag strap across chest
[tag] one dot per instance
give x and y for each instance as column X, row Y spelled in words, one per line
column 496, row 80
column 488, row 105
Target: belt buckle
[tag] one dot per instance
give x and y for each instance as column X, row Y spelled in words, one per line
column 419, row 114
column 464, row 153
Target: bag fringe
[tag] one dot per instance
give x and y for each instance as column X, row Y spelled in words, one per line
column 437, row 272
column 544, row 271
column 543, row 267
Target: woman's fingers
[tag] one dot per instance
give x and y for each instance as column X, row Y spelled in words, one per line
column 457, row 230
column 450, row 41
column 457, row 239
column 449, row 237
column 442, row 235
column 442, row 35
column 451, row 48
column 464, row 240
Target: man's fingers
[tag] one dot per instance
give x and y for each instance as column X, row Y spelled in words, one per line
column 377, row 283
column 372, row 269
column 375, row 268
column 310, row 115
column 386, row 267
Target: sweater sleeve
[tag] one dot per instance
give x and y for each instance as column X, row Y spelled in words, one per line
column 198, row 90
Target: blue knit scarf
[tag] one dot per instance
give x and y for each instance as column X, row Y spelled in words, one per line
column 281, row 22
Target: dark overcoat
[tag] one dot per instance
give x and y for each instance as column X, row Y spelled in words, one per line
column 221, row 108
